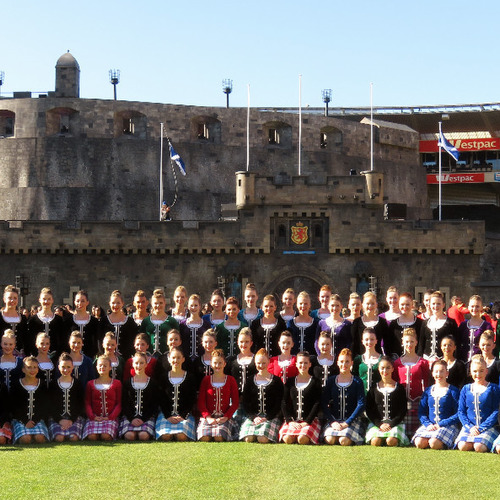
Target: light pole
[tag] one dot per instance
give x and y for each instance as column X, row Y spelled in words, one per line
column 326, row 94
column 114, row 79
column 227, row 88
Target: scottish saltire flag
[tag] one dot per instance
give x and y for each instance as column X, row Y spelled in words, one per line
column 174, row 156
column 447, row 146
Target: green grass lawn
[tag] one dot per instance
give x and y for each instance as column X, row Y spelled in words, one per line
column 241, row 470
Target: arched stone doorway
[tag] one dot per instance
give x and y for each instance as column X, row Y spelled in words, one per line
column 310, row 283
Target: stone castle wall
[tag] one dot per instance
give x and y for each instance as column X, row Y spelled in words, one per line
column 101, row 273
column 102, row 256
column 96, row 172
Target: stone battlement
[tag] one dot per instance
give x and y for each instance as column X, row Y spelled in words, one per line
column 283, row 189
column 243, row 236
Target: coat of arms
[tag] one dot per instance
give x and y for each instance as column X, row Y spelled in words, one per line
column 299, row 234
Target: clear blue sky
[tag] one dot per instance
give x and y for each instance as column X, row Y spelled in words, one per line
column 415, row 52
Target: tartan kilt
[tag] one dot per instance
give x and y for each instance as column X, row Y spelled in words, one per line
column 312, row 431
column 495, row 444
column 487, row 437
column 76, row 428
column 397, row 432
column 105, row 427
column 125, row 426
column 411, row 420
column 446, row 435
column 19, row 430
column 225, row 430
column 238, row 416
column 6, row 431
column 269, row 429
column 187, row 427
column 355, row 432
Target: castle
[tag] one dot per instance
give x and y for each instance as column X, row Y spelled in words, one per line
column 80, row 201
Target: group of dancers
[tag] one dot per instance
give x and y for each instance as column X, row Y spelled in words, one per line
column 335, row 375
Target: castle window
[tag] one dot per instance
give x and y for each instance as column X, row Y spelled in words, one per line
column 64, row 125
column 206, row 129
column 274, row 136
column 318, row 235
column 278, row 134
column 203, row 132
column 7, row 120
column 130, row 124
column 282, row 236
column 331, row 138
column 62, row 121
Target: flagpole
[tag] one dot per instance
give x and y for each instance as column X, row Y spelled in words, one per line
column 248, row 127
column 161, row 168
column 300, row 124
column 371, row 126
column 439, row 173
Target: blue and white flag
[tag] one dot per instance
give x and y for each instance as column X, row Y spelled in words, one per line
column 174, row 156
column 447, row 146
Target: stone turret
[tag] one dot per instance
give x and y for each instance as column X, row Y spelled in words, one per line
column 245, row 190
column 67, row 76
column 375, row 187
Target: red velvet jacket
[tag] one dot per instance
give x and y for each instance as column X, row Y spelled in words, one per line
column 284, row 374
column 105, row 403
column 218, row 401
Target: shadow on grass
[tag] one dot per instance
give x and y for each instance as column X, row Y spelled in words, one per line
column 77, row 444
column 86, row 444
